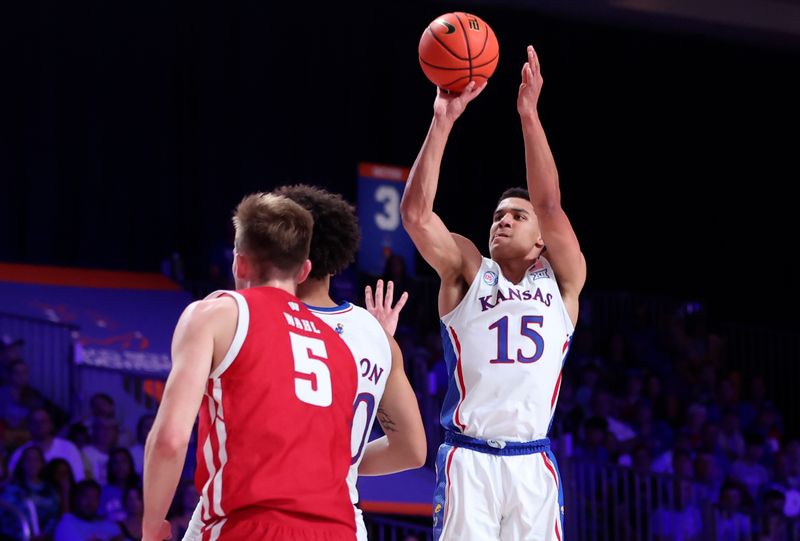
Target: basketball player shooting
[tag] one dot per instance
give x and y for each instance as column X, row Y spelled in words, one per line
column 507, row 322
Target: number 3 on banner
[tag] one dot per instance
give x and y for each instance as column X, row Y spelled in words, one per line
column 389, row 220
column 312, row 382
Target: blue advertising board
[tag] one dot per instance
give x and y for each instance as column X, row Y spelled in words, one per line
column 380, row 189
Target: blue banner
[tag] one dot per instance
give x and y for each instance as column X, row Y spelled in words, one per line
column 380, row 189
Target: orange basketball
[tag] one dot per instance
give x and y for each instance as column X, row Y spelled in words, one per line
column 457, row 48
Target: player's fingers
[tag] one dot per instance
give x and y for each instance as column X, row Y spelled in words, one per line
column 480, row 89
column 401, row 301
column 368, row 298
column 379, row 293
column 387, row 300
column 527, row 73
column 533, row 58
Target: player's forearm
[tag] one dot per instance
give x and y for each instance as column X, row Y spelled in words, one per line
column 382, row 457
column 420, row 191
column 541, row 171
column 392, row 454
column 163, row 464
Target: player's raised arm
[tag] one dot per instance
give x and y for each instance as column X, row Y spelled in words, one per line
column 563, row 249
column 430, row 235
column 404, row 446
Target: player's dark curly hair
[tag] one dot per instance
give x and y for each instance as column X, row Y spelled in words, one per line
column 522, row 193
column 335, row 239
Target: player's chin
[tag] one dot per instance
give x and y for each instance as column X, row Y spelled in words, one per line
column 498, row 249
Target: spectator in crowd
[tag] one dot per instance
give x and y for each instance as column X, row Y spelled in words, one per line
column 79, row 435
column 102, row 406
column 120, row 476
column 9, row 518
column 137, row 450
column 395, row 271
column 84, row 523
column 58, row 473
column 182, row 507
column 10, row 350
column 774, row 526
column 602, row 404
column 43, row 435
column 731, row 437
column 708, row 477
column 757, row 399
column 682, row 521
column 133, row 504
column 31, row 494
column 653, row 433
column 594, row 448
column 749, row 469
column 17, row 399
column 105, row 433
column 732, row 524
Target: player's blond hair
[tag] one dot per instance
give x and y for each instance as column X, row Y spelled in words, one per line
column 274, row 232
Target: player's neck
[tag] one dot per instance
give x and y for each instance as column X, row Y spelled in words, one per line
column 314, row 292
column 286, row 284
column 514, row 270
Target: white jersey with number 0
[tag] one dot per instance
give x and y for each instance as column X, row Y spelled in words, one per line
column 367, row 341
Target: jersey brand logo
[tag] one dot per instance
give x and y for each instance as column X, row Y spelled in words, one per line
column 294, row 306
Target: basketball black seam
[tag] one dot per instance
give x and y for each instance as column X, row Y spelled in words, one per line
column 455, row 69
column 448, row 83
column 449, row 50
column 466, row 41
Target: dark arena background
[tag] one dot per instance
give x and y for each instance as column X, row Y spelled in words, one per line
column 130, row 131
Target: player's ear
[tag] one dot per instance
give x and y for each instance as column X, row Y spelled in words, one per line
column 240, row 266
column 304, row 271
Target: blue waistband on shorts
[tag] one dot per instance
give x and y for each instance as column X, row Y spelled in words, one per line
column 497, row 447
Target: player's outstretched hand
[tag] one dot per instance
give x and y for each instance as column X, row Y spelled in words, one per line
column 380, row 305
column 449, row 105
column 531, row 85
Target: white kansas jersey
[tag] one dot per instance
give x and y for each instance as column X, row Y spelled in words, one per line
column 505, row 345
column 367, row 341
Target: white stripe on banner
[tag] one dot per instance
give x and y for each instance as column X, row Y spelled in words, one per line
column 219, row 424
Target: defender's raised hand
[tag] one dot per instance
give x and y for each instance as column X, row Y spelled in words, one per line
column 380, row 305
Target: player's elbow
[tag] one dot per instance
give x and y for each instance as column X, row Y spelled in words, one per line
column 413, row 215
column 168, row 443
column 417, row 452
column 418, row 455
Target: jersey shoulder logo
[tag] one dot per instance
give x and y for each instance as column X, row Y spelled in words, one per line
column 294, row 306
column 490, row 278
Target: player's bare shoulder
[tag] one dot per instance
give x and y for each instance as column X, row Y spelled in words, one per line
column 470, row 255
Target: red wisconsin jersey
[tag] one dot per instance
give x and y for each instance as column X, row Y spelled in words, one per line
column 274, row 430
